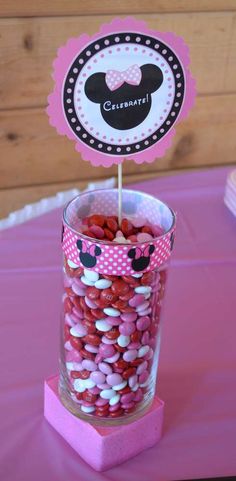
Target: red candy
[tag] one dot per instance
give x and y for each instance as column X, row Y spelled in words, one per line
column 76, row 343
column 92, row 293
column 127, row 296
column 68, row 305
column 89, row 234
column 86, row 354
column 147, row 230
column 97, row 231
column 98, row 313
column 129, row 372
column 112, row 224
column 126, row 227
column 91, row 328
column 66, row 332
column 113, row 333
column 96, row 219
column 89, row 397
column 120, row 305
column 119, row 287
column 83, row 374
column 109, row 295
column 92, row 339
column 116, row 414
column 108, row 234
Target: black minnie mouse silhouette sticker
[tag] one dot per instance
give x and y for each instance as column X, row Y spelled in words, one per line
column 88, row 254
column 120, row 92
column 125, row 98
column 141, row 257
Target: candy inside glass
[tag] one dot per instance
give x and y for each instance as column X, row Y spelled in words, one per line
column 113, row 294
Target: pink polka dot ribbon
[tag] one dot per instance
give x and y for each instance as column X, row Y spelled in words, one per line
column 114, row 79
column 117, row 259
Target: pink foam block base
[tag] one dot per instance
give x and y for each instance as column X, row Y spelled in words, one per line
column 102, row 447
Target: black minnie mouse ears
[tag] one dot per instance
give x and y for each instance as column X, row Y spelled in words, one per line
column 132, row 251
column 96, row 249
column 97, row 90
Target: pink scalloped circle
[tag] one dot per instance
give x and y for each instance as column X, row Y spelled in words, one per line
column 62, row 63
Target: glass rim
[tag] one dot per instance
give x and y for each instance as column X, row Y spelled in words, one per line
column 100, row 241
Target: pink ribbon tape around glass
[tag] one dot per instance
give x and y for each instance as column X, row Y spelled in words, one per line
column 116, row 259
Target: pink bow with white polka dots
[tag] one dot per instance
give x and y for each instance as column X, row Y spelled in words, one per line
column 114, row 79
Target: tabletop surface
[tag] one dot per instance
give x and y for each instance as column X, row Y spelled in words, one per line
column 197, row 373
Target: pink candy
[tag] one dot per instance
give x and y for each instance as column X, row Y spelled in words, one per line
column 136, row 300
column 105, row 368
column 142, row 367
column 106, row 350
column 90, row 348
column 98, row 377
column 113, row 321
column 133, row 381
column 114, row 379
column 127, row 398
column 129, row 356
column 101, row 402
column 127, row 328
column 129, row 317
column 144, row 237
column 97, row 231
column 143, row 377
column 143, row 323
column 89, row 365
column 73, row 356
column 139, row 221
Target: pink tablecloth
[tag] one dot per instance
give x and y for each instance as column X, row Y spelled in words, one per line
column 197, row 375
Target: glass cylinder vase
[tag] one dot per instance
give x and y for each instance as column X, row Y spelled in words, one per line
column 113, row 294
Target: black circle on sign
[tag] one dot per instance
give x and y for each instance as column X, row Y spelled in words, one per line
column 81, row 60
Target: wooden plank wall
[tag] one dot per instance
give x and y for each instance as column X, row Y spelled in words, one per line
column 35, row 161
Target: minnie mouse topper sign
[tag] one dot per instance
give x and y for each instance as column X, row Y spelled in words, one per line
column 119, row 93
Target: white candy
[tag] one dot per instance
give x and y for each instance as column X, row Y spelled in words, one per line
column 91, row 275
column 103, row 325
column 119, row 386
column 143, row 351
column 70, row 366
column 86, row 281
column 79, row 385
column 87, row 409
column 78, row 330
column 103, row 284
column 68, row 346
column 122, row 240
column 110, row 311
column 143, row 289
column 89, row 383
column 114, row 400
column 74, row 366
column 123, row 341
column 72, row 264
column 107, row 394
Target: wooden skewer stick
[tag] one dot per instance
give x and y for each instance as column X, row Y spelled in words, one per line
column 119, row 193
